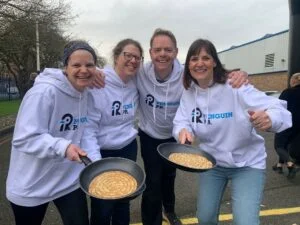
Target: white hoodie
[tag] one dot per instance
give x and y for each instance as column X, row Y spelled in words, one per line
column 51, row 116
column 158, row 101
column 113, row 115
column 218, row 116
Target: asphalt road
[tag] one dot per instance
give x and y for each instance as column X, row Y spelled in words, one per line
column 281, row 204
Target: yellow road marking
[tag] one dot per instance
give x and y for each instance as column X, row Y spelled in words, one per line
column 226, row 217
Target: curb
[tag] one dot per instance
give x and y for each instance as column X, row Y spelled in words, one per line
column 6, row 130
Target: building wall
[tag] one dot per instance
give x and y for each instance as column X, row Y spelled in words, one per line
column 270, row 81
column 251, row 56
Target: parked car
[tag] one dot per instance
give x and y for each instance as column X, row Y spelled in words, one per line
column 273, row 93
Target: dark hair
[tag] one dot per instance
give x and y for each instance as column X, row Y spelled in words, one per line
column 72, row 46
column 117, row 50
column 162, row 32
column 220, row 73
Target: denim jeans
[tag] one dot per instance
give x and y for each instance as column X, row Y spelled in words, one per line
column 246, row 187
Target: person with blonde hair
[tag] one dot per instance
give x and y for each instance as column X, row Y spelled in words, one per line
column 295, row 79
column 287, row 143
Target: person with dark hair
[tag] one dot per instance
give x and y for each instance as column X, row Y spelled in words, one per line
column 112, row 124
column 225, row 121
column 287, row 143
column 46, row 141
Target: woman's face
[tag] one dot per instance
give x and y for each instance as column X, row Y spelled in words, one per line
column 128, row 62
column 201, row 67
column 81, row 69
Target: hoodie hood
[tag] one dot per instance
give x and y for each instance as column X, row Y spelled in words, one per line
column 175, row 76
column 113, row 79
column 57, row 78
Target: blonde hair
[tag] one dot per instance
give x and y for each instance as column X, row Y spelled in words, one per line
column 295, row 79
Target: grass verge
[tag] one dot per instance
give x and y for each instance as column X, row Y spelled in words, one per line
column 9, row 107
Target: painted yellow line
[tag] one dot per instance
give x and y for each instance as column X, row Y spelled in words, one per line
column 226, row 217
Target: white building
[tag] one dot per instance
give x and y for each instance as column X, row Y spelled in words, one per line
column 268, row 54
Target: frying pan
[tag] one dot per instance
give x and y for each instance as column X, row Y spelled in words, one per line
column 93, row 169
column 165, row 149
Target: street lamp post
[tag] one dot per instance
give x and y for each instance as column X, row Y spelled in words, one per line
column 294, row 36
column 37, row 46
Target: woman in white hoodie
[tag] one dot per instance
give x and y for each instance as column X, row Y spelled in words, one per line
column 46, row 141
column 112, row 128
column 225, row 121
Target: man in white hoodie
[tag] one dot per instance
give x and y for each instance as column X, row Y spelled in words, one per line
column 46, row 141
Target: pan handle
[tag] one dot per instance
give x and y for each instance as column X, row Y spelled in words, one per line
column 86, row 160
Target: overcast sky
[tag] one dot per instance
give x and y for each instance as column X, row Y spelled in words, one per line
column 224, row 22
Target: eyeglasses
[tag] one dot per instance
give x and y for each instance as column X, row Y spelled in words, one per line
column 128, row 56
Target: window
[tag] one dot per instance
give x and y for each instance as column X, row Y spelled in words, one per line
column 269, row 60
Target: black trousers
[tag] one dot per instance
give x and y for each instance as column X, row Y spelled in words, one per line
column 72, row 208
column 294, row 149
column 160, row 179
column 287, row 146
column 113, row 212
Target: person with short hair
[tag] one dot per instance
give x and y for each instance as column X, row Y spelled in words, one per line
column 46, row 141
column 225, row 120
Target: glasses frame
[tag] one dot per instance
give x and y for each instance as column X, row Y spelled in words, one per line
column 129, row 56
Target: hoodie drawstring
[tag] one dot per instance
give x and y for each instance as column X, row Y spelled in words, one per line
column 121, row 107
column 154, row 106
column 195, row 115
column 166, row 101
column 79, row 116
column 207, row 102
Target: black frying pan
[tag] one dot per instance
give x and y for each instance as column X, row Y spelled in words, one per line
column 93, row 169
column 166, row 149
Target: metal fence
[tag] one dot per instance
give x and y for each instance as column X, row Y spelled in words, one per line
column 8, row 89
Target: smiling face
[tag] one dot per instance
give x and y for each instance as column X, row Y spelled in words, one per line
column 163, row 52
column 201, row 68
column 80, row 69
column 128, row 62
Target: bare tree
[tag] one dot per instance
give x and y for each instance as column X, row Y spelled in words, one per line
column 17, row 36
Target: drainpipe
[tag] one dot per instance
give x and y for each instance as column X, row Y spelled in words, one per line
column 294, row 38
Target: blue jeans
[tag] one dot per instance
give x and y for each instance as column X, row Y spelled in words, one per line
column 247, row 186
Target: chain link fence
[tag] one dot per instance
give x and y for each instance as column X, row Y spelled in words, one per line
column 8, row 89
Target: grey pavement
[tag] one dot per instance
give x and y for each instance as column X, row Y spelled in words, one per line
column 279, row 193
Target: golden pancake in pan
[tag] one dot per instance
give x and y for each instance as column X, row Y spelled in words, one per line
column 112, row 185
column 190, row 160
